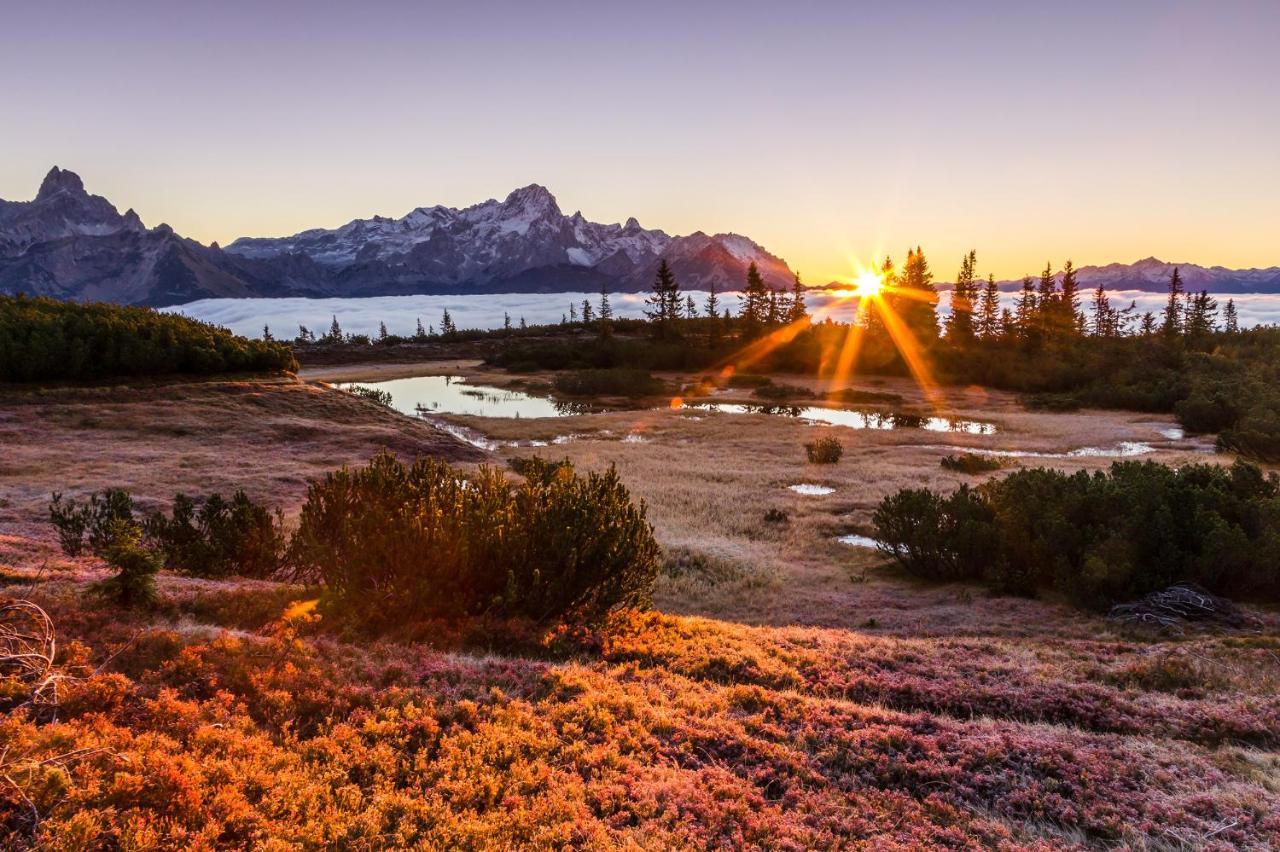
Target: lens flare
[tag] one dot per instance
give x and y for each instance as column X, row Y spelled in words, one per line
column 868, row 283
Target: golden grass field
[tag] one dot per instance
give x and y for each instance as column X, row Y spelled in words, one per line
column 787, row 692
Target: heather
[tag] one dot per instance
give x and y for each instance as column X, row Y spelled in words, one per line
column 48, row 340
column 654, row 731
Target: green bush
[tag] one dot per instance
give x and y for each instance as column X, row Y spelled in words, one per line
column 824, row 450
column 392, row 541
column 614, row 381
column 92, row 523
column 1097, row 538
column 44, row 339
column 971, row 463
column 134, row 583
column 221, row 538
column 218, row 539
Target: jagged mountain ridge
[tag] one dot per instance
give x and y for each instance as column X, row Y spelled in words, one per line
column 69, row 244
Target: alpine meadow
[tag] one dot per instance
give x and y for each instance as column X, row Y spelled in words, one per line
column 922, row 517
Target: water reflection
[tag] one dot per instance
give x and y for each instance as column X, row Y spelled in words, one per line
column 853, row 418
column 858, row 541
column 426, row 395
column 811, row 490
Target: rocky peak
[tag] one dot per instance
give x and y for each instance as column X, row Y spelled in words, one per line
column 60, row 181
column 533, row 199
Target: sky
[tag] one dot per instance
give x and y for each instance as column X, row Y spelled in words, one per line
column 829, row 132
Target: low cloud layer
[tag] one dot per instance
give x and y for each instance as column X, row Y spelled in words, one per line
column 401, row 313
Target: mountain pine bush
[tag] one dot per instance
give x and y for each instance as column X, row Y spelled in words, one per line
column 392, row 541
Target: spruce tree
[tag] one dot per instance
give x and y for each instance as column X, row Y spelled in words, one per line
column 1104, row 318
column 266, row 333
column 606, row 310
column 917, row 306
column 587, row 312
column 798, row 309
column 755, row 304
column 573, row 313
column 1026, row 311
column 664, row 302
column 420, row 333
column 1172, row 325
column 335, row 332
column 447, row 328
column 506, row 322
column 712, row 307
column 989, row 312
column 960, row 322
column 690, row 309
column 1070, row 318
column 382, row 332
column 1231, row 320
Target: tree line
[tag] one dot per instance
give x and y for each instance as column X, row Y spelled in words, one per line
column 45, row 339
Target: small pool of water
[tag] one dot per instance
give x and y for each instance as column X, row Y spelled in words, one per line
column 1125, row 449
column 859, row 541
column 453, row 395
column 811, row 490
column 853, row 418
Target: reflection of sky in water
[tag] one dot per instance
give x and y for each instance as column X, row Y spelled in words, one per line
column 854, row 418
column 812, row 490
column 451, row 395
column 401, row 313
column 858, row 541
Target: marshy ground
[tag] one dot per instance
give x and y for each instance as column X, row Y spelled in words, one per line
column 789, row 691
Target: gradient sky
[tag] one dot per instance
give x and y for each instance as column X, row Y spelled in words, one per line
column 1102, row 131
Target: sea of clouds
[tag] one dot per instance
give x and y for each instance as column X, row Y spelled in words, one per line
column 401, row 313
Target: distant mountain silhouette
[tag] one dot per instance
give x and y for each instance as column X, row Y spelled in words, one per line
column 69, row 244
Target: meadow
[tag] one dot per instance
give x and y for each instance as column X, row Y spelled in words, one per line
column 786, row 690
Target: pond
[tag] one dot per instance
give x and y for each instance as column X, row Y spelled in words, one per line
column 812, row 490
column 852, row 418
column 859, row 541
column 453, row 395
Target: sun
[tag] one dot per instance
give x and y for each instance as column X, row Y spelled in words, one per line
column 868, row 283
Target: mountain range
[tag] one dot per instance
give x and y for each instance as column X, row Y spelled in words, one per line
column 69, row 244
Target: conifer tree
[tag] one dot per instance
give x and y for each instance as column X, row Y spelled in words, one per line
column 523, row 325
column 989, row 319
column 1231, row 320
column 506, row 322
column 798, row 309
column 712, row 307
column 664, row 302
column 606, row 310
column 1046, row 302
column 690, row 309
column 266, row 333
column 1027, row 311
column 960, row 322
column 447, row 328
column 573, row 313
column 1104, row 318
column 755, row 303
column 917, row 305
column 1070, row 318
column 382, row 332
column 1172, row 325
column 335, row 332
column 1147, row 327
column 587, row 312
column 420, row 333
